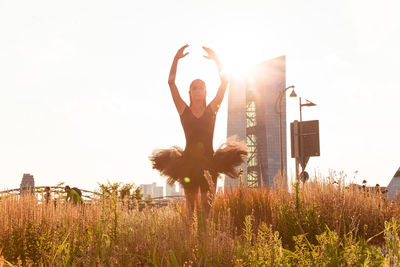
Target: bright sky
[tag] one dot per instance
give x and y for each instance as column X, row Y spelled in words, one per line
column 84, row 95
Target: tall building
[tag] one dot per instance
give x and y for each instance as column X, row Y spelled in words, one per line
column 147, row 189
column 253, row 119
column 394, row 186
column 180, row 191
column 220, row 189
column 27, row 184
column 170, row 190
column 152, row 190
column 158, row 191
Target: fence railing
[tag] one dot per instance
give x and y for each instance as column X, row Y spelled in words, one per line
column 58, row 193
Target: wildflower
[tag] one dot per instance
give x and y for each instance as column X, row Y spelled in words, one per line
column 389, row 235
column 393, row 260
column 383, row 251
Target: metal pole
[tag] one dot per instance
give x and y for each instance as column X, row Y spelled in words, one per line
column 280, row 132
column 300, row 135
column 299, row 138
column 300, row 110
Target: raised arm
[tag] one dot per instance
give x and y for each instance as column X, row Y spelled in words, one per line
column 179, row 103
column 216, row 102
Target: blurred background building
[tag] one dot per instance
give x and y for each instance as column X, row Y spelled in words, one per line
column 394, row 186
column 252, row 118
column 27, row 184
column 152, row 190
column 170, row 190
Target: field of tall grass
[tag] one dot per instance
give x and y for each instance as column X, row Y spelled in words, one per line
column 321, row 223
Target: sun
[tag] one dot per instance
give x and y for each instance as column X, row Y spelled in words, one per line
column 240, row 54
column 236, row 63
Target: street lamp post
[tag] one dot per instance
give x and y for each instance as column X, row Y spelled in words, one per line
column 307, row 104
column 281, row 94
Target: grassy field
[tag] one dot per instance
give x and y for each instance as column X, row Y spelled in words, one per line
column 322, row 223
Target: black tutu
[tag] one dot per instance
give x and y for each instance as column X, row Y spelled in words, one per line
column 200, row 172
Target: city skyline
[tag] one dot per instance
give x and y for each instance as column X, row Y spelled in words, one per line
column 84, row 95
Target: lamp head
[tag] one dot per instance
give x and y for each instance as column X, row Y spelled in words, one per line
column 309, row 103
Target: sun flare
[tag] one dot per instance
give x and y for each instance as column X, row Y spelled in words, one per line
column 238, row 61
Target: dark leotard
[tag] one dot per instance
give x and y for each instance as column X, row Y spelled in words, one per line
column 198, row 153
column 199, row 133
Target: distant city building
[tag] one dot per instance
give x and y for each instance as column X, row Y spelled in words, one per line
column 170, row 190
column 152, row 190
column 158, row 191
column 180, row 191
column 147, row 189
column 394, row 186
column 252, row 118
column 27, row 184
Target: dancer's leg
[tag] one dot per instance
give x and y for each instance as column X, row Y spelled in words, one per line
column 191, row 201
column 207, row 198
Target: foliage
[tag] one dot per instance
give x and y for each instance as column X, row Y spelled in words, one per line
column 126, row 191
column 318, row 223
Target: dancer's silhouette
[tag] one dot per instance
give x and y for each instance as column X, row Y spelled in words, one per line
column 198, row 166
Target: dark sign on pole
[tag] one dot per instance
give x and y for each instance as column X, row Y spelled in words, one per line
column 309, row 139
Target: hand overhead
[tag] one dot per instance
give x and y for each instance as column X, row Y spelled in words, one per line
column 180, row 54
column 210, row 53
column 179, row 103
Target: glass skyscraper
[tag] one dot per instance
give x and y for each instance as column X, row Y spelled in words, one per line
column 252, row 118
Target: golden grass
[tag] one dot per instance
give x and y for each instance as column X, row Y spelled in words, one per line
column 107, row 232
column 309, row 209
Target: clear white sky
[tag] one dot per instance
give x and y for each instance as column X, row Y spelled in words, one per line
column 84, row 94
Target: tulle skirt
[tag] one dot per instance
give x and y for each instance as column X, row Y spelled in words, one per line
column 194, row 173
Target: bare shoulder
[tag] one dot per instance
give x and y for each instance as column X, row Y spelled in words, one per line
column 182, row 109
column 214, row 107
